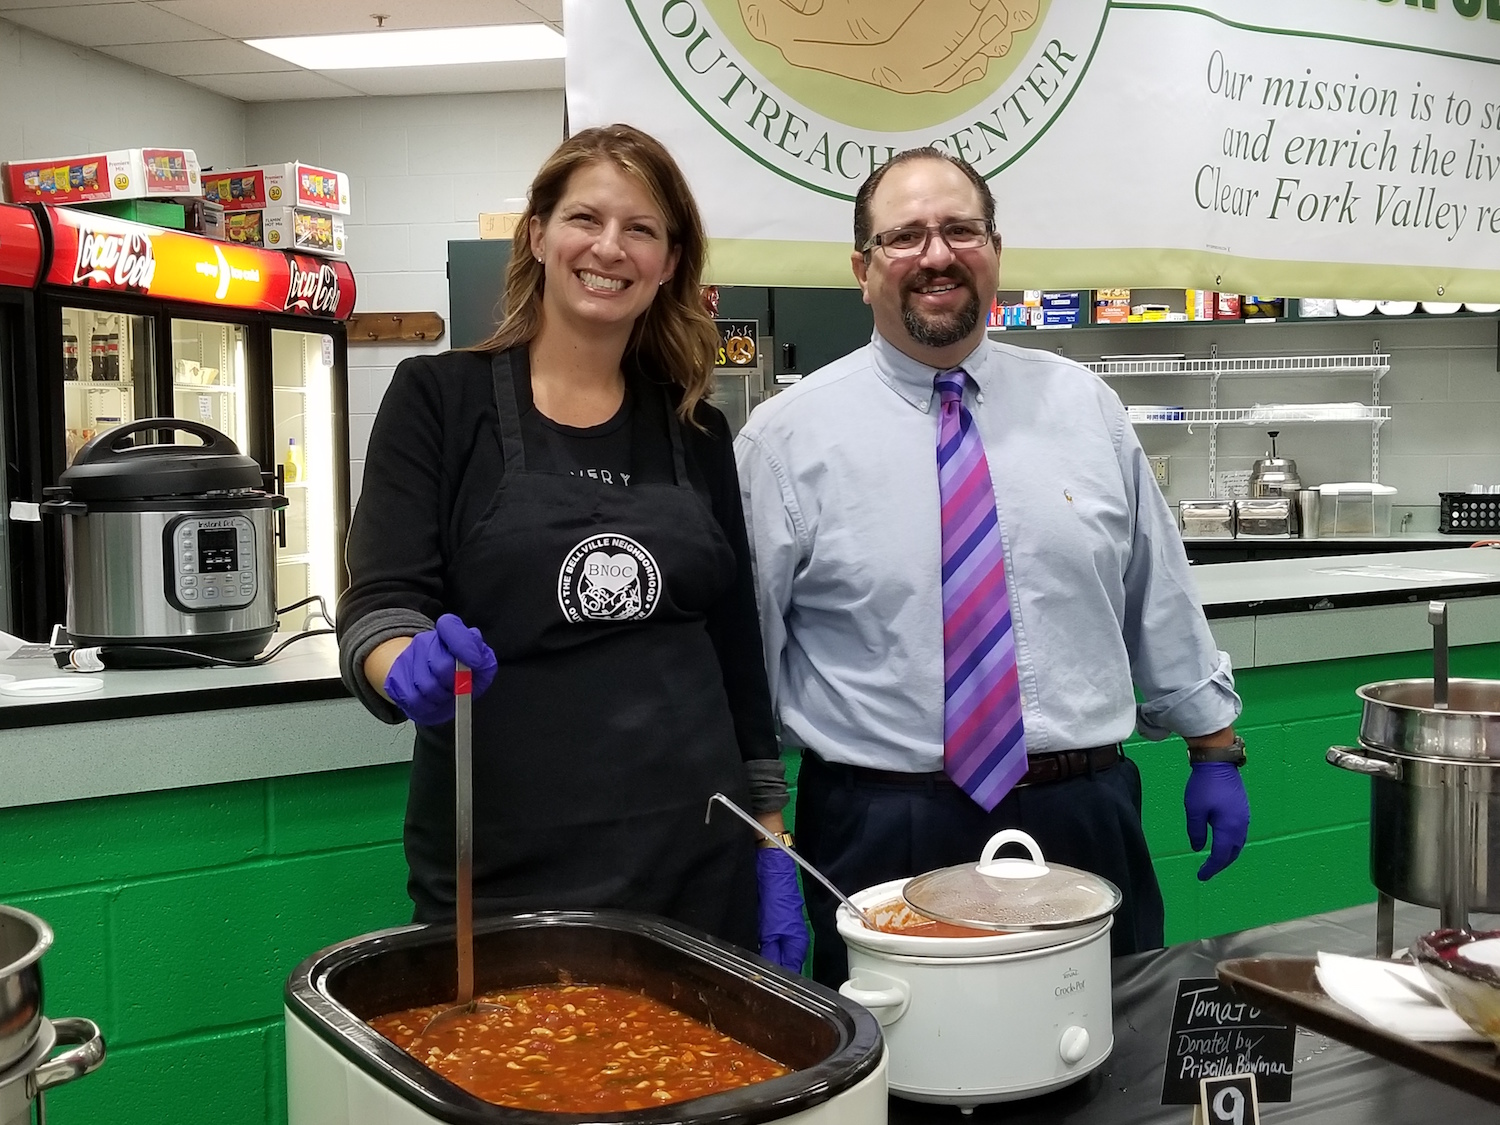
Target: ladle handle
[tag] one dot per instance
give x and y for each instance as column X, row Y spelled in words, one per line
column 463, row 819
column 1437, row 617
column 797, row 859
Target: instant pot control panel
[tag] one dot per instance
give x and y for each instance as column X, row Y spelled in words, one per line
column 210, row 561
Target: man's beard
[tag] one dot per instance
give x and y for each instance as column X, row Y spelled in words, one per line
column 941, row 329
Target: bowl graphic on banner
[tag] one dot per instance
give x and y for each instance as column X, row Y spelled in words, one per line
column 821, row 92
column 909, row 46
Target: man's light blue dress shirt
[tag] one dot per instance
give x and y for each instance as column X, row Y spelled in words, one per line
column 839, row 475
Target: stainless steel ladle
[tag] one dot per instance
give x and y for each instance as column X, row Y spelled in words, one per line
column 463, row 818
column 802, row 863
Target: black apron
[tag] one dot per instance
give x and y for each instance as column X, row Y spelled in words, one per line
column 607, row 726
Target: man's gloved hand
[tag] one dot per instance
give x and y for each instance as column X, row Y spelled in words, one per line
column 420, row 681
column 1216, row 797
column 783, row 934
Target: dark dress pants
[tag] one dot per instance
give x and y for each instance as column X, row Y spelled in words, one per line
column 860, row 830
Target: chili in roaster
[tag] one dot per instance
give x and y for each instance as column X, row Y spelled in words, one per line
column 578, row 1049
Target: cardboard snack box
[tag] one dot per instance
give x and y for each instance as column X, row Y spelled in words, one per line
column 279, row 185
column 312, row 232
column 132, row 173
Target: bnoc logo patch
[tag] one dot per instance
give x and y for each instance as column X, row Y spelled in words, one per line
column 824, row 91
column 608, row 578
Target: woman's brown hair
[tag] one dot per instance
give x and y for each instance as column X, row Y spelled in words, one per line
column 675, row 335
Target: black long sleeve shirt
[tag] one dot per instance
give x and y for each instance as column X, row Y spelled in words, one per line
column 433, row 465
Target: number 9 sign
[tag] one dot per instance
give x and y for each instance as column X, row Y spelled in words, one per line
column 1229, row 1100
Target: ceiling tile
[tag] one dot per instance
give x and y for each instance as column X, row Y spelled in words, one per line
column 272, row 18
column 465, row 78
column 550, row 10
column 101, row 25
column 212, row 56
column 11, row 5
column 283, row 86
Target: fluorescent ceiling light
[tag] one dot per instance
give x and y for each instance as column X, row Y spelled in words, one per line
column 434, row 46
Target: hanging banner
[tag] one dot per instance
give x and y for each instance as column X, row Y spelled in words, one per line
column 1338, row 148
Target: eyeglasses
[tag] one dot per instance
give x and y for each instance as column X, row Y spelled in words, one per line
column 905, row 242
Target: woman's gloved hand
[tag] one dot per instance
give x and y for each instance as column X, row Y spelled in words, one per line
column 420, row 681
column 1215, row 797
column 783, row 934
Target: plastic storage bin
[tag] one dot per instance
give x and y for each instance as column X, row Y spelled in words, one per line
column 1355, row 509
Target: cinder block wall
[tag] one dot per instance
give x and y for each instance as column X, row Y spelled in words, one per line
column 179, row 916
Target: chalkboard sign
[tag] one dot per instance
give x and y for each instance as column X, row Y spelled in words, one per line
column 1216, row 1033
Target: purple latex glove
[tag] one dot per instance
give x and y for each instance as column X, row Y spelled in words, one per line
column 420, row 681
column 1215, row 796
column 783, row 934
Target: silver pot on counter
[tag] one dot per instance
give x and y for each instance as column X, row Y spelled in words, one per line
column 28, row 1066
column 1431, row 749
column 169, row 548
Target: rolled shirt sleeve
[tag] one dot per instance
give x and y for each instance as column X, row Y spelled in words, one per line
column 1185, row 681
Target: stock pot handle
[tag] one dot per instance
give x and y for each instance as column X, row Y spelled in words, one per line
column 1353, row 759
column 887, row 1004
column 85, row 1058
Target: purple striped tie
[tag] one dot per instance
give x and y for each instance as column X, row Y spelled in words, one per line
column 984, row 745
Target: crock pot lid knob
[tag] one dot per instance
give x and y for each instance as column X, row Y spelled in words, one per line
column 1012, row 894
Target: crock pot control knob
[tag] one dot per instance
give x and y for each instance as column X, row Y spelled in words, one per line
column 1073, row 1045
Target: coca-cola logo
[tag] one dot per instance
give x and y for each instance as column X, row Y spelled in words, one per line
column 314, row 292
column 118, row 261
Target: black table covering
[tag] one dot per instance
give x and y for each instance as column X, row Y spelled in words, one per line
column 1333, row 1084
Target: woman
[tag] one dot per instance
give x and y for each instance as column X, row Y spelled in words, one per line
column 559, row 509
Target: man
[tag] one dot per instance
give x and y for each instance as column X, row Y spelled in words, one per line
column 965, row 572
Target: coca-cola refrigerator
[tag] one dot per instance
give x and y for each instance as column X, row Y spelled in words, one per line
column 132, row 321
column 21, row 259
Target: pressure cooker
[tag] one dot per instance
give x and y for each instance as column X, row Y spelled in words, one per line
column 170, row 548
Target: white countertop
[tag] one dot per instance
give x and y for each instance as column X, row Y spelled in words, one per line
column 1394, row 575
column 307, row 669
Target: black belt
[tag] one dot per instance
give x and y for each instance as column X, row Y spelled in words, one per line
column 1041, row 769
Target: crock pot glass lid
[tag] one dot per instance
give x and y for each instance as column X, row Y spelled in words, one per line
column 1012, row 893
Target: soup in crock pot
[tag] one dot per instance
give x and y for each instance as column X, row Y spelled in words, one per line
column 578, row 1049
column 896, row 917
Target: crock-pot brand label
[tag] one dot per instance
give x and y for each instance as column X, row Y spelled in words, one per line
column 313, row 291
column 1216, row 1033
column 115, row 261
column 608, row 578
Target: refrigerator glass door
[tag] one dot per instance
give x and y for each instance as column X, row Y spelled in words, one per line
column 303, row 415
column 108, row 359
column 10, row 357
column 208, row 377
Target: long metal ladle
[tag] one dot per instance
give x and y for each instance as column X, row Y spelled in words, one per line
column 802, row 863
column 463, row 819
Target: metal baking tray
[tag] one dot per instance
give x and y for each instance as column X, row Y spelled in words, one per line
column 1289, row 985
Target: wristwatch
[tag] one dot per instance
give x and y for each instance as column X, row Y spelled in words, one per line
column 1234, row 753
column 784, row 837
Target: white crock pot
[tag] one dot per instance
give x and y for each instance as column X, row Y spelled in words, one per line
column 973, row 1020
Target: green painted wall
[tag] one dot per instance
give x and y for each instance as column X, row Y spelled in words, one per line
column 179, row 914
